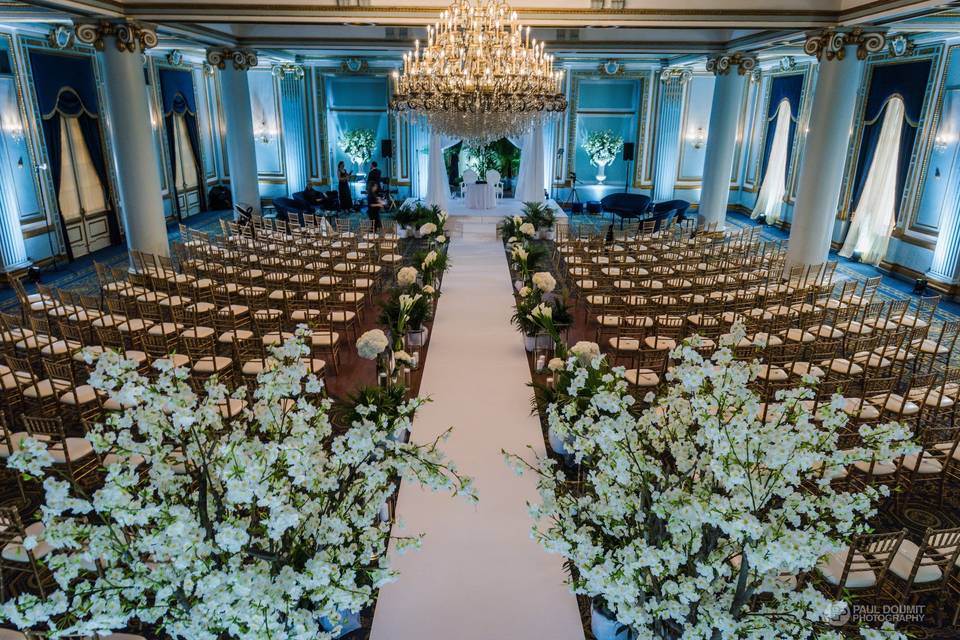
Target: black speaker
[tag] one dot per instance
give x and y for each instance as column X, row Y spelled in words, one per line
column 386, row 148
column 627, row 151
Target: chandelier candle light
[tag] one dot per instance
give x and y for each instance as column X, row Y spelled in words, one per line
column 480, row 76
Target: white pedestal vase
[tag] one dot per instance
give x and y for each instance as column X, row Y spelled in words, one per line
column 601, row 172
column 532, row 343
column 605, row 628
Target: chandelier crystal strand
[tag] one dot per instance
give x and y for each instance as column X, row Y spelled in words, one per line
column 480, row 76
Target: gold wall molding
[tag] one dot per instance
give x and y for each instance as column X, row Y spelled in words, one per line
column 721, row 65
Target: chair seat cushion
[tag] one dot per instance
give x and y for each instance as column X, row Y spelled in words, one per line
column 831, row 568
column 165, row 329
column 60, row 347
column 76, row 448
column 642, row 377
column 902, row 564
column 805, row 369
column 45, row 389
column 860, row 408
column 15, row 551
column 342, row 316
column 212, row 364
column 198, row 332
column 84, row 394
column 772, row 374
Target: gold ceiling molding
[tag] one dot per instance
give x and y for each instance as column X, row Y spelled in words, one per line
column 131, row 37
column 722, row 64
column 242, row 59
column 832, row 44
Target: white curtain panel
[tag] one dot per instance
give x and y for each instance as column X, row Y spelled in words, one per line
column 530, row 177
column 770, row 200
column 873, row 218
column 438, row 185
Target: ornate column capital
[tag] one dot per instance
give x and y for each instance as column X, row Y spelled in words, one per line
column 832, row 43
column 744, row 62
column 681, row 75
column 242, row 59
column 132, row 37
column 288, row 70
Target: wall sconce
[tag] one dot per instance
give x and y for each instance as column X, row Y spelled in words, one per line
column 262, row 133
column 697, row 138
column 20, row 162
column 936, row 174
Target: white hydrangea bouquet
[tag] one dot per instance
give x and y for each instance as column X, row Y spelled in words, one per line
column 358, row 145
column 603, row 147
column 691, row 519
column 267, row 525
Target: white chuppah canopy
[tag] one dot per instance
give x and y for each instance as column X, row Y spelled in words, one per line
column 531, row 179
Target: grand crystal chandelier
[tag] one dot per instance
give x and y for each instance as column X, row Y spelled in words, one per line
column 480, row 77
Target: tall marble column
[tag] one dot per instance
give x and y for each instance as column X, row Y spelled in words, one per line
column 13, row 251
column 669, row 121
column 841, row 55
column 946, row 255
column 120, row 45
column 293, row 109
column 241, row 149
column 731, row 71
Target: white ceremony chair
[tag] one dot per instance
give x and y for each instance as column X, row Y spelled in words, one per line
column 493, row 177
column 469, row 177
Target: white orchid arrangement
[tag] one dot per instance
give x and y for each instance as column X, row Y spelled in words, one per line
column 358, row 144
column 603, row 147
column 682, row 520
column 266, row 524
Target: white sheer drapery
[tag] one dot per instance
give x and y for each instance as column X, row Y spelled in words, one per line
column 770, row 199
column 438, row 183
column 873, row 218
column 530, row 177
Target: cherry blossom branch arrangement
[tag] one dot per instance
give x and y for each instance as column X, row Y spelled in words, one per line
column 266, row 524
column 698, row 513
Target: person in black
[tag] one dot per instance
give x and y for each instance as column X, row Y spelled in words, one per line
column 343, row 187
column 312, row 196
column 373, row 178
column 374, row 204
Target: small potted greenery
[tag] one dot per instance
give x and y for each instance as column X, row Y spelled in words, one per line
column 542, row 217
column 406, row 218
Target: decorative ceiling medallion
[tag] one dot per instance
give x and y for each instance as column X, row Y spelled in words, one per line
column 354, row 65
column 61, row 37
column 175, row 57
column 832, row 44
column 480, row 76
column 900, row 45
column 611, row 68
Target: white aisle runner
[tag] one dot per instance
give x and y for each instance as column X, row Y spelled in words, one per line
column 479, row 575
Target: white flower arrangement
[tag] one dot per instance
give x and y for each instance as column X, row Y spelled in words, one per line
column 264, row 525
column 427, row 229
column 441, row 239
column 428, row 289
column 358, row 144
column 603, row 147
column 555, row 364
column 544, row 281
column 406, row 276
column 585, row 351
column 527, row 229
column 429, row 259
column 681, row 514
column 524, row 291
column 371, row 344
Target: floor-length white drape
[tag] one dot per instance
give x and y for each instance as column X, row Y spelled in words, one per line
column 770, row 199
column 438, row 184
column 530, row 177
column 873, row 218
